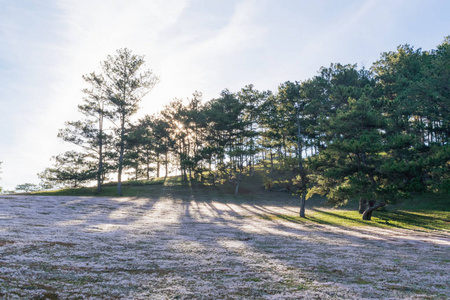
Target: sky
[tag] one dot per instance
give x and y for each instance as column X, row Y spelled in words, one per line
column 192, row 45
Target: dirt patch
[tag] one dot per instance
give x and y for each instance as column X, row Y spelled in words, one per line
column 3, row 243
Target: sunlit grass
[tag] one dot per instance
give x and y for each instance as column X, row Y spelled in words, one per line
column 431, row 220
column 435, row 220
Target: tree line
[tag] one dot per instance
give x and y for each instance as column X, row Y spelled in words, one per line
column 379, row 134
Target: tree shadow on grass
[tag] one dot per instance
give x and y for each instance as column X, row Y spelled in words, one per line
column 414, row 220
column 386, row 220
column 341, row 220
column 275, row 243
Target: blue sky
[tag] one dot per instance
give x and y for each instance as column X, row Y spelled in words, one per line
column 193, row 45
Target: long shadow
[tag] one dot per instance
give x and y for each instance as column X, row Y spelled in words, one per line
column 259, row 244
column 317, row 220
column 88, row 211
column 262, row 214
column 411, row 219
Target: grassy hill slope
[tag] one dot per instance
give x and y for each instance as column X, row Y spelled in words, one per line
column 424, row 212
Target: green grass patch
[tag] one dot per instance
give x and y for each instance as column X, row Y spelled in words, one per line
column 250, row 189
column 107, row 191
column 253, row 279
column 132, row 188
column 83, row 191
column 432, row 220
column 422, row 221
column 360, row 280
column 296, row 285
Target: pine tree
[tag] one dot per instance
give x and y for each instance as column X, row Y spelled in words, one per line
column 125, row 85
column 89, row 133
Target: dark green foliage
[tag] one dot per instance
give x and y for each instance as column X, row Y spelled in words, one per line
column 90, row 134
column 111, row 96
column 27, row 187
column 70, row 169
column 384, row 135
column 414, row 85
column 125, row 85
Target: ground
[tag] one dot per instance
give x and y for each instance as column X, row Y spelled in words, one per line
column 180, row 248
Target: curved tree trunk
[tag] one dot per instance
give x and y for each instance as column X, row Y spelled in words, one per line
column 367, row 215
column 362, row 205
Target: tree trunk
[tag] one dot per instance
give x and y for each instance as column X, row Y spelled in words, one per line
column 100, row 154
column 100, row 170
column 238, row 181
column 148, row 164
column 300, row 166
column 122, row 149
column 367, row 215
column 271, row 161
column 303, row 204
column 264, row 156
column 362, row 205
column 157, row 167
column 167, row 165
column 190, row 174
column 119, row 177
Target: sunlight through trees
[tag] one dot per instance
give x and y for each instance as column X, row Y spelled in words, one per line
column 378, row 135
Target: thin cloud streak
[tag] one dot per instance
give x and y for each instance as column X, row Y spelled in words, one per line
column 199, row 65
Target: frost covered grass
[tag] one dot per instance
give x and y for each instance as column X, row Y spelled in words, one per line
column 176, row 245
